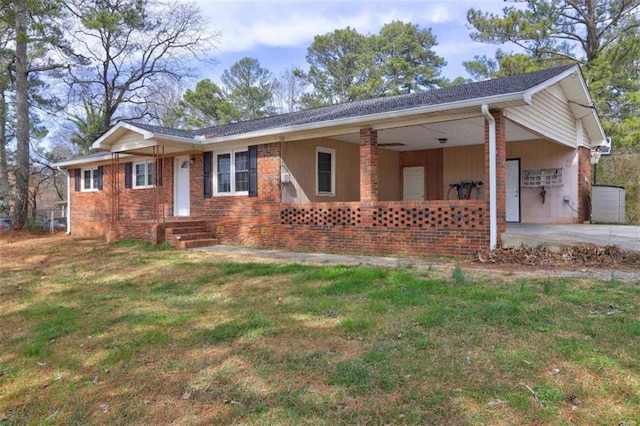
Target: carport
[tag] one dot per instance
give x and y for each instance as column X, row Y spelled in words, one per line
column 551, row 235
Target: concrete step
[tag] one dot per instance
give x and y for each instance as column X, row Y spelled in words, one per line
column 203, row 242
column 176, row 232
column 195, row 235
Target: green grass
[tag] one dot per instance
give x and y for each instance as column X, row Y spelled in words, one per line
column 162, row 336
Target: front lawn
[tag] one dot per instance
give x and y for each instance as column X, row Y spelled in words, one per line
column 93, row 333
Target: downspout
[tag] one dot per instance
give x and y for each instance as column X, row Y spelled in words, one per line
column 68, row 202
column 493, row 203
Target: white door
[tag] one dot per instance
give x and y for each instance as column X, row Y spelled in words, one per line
column 181, row 199
column 513, row 190
column 413, row 183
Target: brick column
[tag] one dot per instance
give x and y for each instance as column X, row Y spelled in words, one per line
column 501, row 163
column 584, row 184
column 368, row 165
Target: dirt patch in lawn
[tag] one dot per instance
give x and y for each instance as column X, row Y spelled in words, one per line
column 20, row 249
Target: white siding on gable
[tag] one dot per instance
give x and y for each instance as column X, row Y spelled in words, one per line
column 129, row 138
column 548, row 115
column 132, row 140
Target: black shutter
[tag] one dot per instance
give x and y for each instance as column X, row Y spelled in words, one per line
column 206, row 174
column 253, row 171
column 99, row 178
column 76, row 176
column 159, row 172
column 128, row 167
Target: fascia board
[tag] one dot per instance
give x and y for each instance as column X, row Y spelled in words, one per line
column 85, row 161
column 553, row 80
column 601, row 137
column 370, row 120
column 98, row 144
column 180, row 140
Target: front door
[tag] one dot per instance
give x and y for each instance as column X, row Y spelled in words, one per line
column 513, row 190
column 413, row 183
column 181, row 199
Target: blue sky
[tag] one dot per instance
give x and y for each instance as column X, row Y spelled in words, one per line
column 278, row 32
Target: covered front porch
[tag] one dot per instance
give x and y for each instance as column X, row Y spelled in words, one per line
column 517, row 162
column 402, row 189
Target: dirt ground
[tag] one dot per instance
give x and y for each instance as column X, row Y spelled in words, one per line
column 20, row 249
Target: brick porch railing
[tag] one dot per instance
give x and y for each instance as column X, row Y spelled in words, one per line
column 411, row 228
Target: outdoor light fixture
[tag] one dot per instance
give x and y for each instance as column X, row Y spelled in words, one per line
column 442, row 140
column 187, row 163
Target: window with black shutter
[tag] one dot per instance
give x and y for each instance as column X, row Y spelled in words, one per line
column 253, row 171
column 76, row 179
column 206, row 174
column 128, row 168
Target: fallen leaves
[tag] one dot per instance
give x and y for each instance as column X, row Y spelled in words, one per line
column 583, row 254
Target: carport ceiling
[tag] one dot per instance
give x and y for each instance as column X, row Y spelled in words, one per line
column 468, row 131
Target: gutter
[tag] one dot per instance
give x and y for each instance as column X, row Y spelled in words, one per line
column 493, row 199
column 68, row 200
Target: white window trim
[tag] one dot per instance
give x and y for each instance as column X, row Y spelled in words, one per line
column 94, row 171
column 232, row 154
column 133, row 175
column 332, row 152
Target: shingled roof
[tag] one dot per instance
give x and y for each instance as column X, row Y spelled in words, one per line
column 482, row 89
column 169, row 131
column 464, row 92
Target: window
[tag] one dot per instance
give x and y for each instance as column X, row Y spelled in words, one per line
column 90, row 179
column 143, row 175
column 232, row 173
column 325, row 171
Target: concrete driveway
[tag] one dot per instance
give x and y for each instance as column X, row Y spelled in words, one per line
column 623, row 236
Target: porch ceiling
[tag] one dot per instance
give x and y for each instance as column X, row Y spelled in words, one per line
column 468, row 131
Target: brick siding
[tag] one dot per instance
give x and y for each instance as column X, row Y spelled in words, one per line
column 368, row 165
column 368, row 226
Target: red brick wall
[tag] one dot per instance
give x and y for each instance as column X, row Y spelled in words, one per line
column 386, row 228
column 243, row 220
column 91, row 211
column 584, row 184
column 368, row 165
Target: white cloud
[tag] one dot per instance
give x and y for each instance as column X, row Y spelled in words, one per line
column 278, row 32
column 245, row 25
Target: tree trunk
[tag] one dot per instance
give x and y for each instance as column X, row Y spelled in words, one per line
column 21, row 208
column 4, row 166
